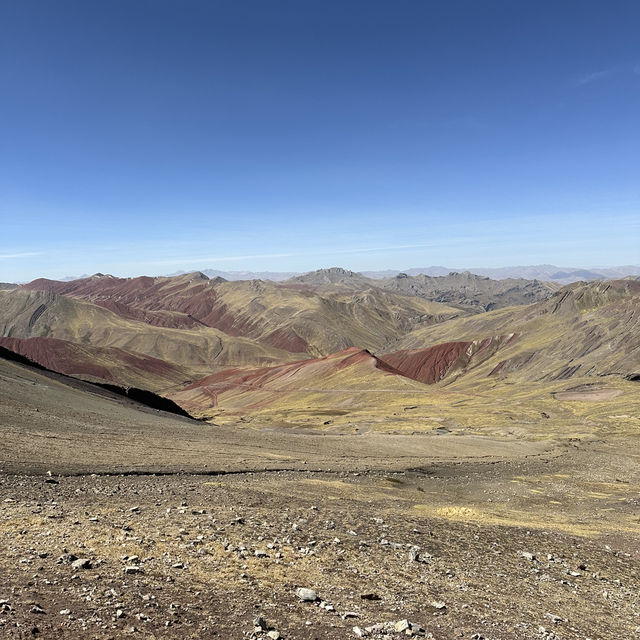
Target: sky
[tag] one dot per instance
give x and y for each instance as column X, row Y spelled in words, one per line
column 151, row 136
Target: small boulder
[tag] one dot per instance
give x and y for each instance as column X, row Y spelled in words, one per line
column 306, row 595
column 81, row 563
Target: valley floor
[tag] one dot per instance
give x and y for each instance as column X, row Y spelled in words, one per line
column 542, row 543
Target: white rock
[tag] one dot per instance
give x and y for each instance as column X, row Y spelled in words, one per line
column 402, row 625
column 306, row 595
column 81, row 563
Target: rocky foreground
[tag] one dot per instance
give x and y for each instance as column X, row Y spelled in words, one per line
column 295, row 555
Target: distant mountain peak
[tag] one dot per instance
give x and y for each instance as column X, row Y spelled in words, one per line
column 335, row 271
column 332, row 275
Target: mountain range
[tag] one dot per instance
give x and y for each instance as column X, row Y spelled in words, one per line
column 546, row 272
column 331, row 342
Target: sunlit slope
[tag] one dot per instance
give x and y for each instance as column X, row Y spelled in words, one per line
column 198, row 350
column 585, row 329
column 304, row 321
column 291, row 318
column 344, row 381
column 354, row 392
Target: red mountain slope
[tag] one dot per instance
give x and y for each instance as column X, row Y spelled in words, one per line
column 108, row 364
column 432, row 364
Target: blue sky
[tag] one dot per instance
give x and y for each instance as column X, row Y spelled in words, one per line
column 152, row 136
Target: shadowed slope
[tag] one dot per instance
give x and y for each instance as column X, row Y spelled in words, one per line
column 18, row 372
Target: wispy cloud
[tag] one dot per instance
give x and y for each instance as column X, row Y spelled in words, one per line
column 603, row 74
column 596, row 76
column 24, row 254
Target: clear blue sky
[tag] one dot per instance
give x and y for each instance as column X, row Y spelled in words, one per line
column 147, row 136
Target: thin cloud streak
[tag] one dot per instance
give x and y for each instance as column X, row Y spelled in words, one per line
column 595, row 76
column 25, row 254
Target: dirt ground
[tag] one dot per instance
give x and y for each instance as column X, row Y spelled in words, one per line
column 542, row 547
column 117, row 522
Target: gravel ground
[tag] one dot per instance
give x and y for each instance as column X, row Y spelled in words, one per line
column 184, row 556
column 432, row 535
